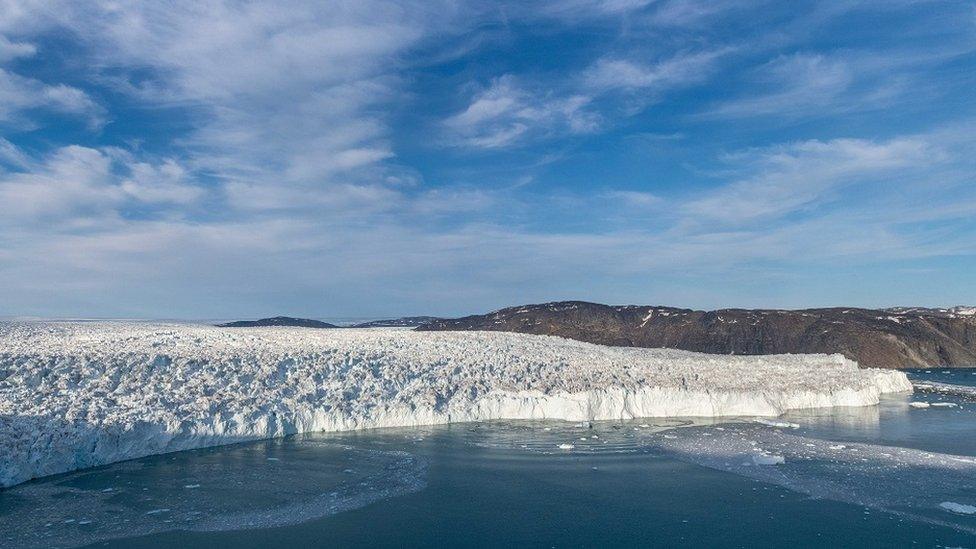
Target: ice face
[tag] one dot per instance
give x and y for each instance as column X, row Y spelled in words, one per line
column 75, row 395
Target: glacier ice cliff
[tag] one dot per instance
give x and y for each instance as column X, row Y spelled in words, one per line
column 82, row 394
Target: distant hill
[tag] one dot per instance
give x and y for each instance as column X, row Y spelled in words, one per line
column 278, row 321
column 886, row 338
column 405, row 322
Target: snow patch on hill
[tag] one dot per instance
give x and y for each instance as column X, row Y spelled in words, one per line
column 75, row 395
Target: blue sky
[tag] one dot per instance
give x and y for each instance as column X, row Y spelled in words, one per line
column 220, row 159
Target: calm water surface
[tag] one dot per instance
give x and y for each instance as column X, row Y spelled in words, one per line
column 870, row 477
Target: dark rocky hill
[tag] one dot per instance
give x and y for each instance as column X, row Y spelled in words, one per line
column 405, row 322
column 279, row 321
column 885, row 338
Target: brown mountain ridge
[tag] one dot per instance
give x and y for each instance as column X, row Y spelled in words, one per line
column 883, row 338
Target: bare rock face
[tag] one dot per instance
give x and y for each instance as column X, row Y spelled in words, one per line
column 880, row 338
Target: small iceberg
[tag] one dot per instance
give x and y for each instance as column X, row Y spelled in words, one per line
column 959, row 508
column 777, row 423
column 768, row 459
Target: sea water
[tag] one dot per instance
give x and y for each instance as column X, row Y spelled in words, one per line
column 892, row 475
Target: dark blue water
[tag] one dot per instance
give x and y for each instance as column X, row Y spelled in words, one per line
column 870, row 477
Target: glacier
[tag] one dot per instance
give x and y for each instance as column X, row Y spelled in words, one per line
column 82, row 394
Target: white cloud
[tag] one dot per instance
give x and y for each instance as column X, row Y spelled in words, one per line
column 19, row 94
column 70, row 184
column 637, row 199
column 508, row 113
column 12, row 50
column 75, row 186
column 614, row 73
column 800, row 83
column 801, row 175
column 504, row 113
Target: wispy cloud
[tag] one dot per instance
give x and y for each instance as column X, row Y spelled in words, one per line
column 19, row 94
column 622, row 74
column 800, row 175
column 505, row 112
column 12, row 50
column 76, row 186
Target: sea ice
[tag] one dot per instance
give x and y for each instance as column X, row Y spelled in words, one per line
column 238, row 495
column 766, row 459
column 777, row 423
column 903, row 481
column 949, row 389
column 82, row 394
column 958, row 507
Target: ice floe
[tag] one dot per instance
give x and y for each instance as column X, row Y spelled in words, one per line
column 777, row 423
column 75, row 395
column 949, row 389
column 235, row 492
column 960, row 508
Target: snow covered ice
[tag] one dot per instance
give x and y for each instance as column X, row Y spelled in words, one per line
column 75, row 395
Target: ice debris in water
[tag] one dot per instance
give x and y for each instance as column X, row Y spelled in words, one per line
column 778, row 423
column 82, row 394
column 960, row 508
column 904, row 481
column 949, row 389
column 767, row 459
column 314, row 482
column 919, row 404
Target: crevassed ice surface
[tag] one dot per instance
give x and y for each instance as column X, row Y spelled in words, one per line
column 76, row 395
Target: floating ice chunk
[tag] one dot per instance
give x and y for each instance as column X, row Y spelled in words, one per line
column 960, row 508
column 945, row 404
column 157, row 511
column 904, row 481
column 566, row 446
column 778, row 423
column 919, row 404
column 837, row 446
column 965, row 391
column 191, row 486
column 767, row 459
